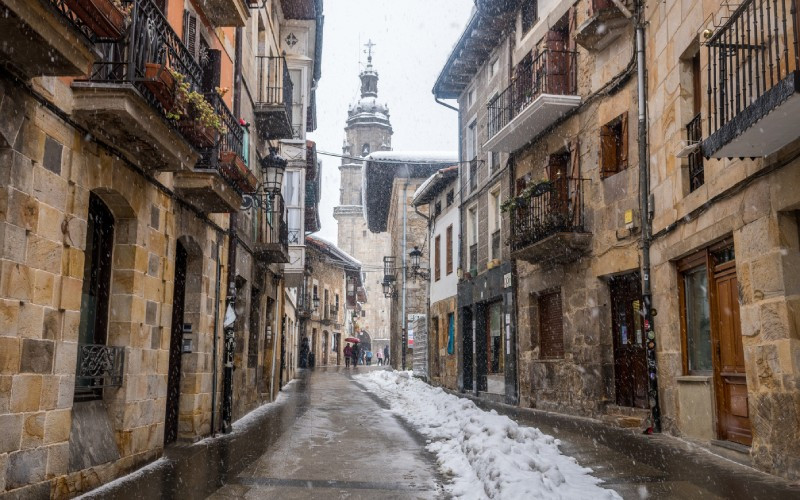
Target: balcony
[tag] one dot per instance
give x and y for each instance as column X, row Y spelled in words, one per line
column 549, row 226
column 305, row 305
column 221, row 177
column 272, row 246
column 129, row 96
column 754, row 81
column 606, row 23
column 49, row 38
column 333, row 313
column 543, row 92
column 227, row 13
column 273, row 107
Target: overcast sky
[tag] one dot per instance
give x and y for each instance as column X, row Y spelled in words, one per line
column 414, row 38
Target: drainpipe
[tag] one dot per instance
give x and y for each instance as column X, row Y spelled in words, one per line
column 404, row 336
column 644, row 195
column 214, row 349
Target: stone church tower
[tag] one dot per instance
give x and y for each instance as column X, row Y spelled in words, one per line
column 368, row 129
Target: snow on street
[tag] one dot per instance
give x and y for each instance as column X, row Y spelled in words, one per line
column 485, row 454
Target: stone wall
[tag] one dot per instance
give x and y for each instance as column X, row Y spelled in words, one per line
column 331, row 278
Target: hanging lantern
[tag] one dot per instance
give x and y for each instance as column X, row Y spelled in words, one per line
column 415, row 255
column 387, row 288
column 315, row 300
column 272, row 170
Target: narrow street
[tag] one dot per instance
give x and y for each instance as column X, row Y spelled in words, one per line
column 327, row 437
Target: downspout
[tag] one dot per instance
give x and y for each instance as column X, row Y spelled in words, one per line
column 644, row 195
column 230, row 339
column 459, row 347
column 214, row 342
column 404, row 319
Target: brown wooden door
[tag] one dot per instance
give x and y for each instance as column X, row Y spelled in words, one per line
column 175, row 347
column 630, row 362
column 558, row 61
column 729, row 372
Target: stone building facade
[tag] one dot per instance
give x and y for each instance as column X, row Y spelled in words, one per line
column 368, row 129
column 334, row 280
column 116, row 254
column 395, row 176
column 720, row 335
column 726, row 252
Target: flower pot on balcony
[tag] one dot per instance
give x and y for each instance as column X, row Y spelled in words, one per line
column 199, row 135
column 161, row 83
column 101, row 16
column 234, row 169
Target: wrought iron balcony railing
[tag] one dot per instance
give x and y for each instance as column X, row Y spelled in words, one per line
column 146, row 56
column 227, row 154
column 276, row 229
column 93, row 23
column 99, row 366
column 554, row 207
column 551, row 72
column 305, row 304
column 753, row 67
column 274, row 98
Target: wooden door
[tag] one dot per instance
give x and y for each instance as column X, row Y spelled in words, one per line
column 557, row 173
column 630, row 362
column 557, row 65
column 729, row 372
column 495, row 339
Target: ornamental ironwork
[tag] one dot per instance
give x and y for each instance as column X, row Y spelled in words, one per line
column 100, row 366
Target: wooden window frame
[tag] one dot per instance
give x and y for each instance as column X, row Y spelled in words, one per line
column 613, row 151
column 449, row 249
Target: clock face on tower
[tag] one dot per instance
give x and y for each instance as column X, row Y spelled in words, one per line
column 365, row 150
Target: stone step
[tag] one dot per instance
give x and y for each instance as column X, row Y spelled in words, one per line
column 625, row 421
column 627, row 411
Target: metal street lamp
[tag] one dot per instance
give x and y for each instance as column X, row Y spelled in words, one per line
column 415, row 255
column 315, row 301
column 272, row 170
column 387, row 288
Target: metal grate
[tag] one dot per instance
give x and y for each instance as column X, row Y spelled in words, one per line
column 554, row 207
column 99, row 366
column 274, row 83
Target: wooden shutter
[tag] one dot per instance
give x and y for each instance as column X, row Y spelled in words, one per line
column 449, row 250
column 190, row 32
column 608, row 151
column 574, row 182
column 551, row 326
column 623, row 141
column 438, row 256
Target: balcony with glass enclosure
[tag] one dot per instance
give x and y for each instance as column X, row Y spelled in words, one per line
column 543, row 90
column 754, row 81
column 273, row 99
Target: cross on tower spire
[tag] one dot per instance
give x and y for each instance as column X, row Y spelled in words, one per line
column 369, row 46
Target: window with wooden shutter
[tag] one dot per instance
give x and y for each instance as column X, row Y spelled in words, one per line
column 551, row 326
column 449, row 249
column 614, row 146
column 190, row 32
column 438, row 256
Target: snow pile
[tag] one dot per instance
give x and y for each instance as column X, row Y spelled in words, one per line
column 487, row 455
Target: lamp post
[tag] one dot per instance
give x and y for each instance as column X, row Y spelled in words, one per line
column 272, row 169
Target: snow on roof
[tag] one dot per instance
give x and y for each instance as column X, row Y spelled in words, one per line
column 334, row 249
column 434, row 185
column 415, row 156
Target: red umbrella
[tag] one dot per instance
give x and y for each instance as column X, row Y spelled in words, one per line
column 352, row 340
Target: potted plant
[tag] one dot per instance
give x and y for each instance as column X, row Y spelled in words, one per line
column 196, row 117
column 106, row 18
column 161, row 83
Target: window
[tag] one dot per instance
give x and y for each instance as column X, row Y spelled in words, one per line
column 494, row 67
column 472, row 237
column 255, row 328
column 694, row 132
column 551, row 326
column 451, row 197
column 470, row 98
column 494, row 223
column 614, row 146
column 438, row 256
column 449, row 249
column 472, row 139
column 530, row 14
column 437, row 210
column 695, row 314
column 494, row 161
column 451, row 333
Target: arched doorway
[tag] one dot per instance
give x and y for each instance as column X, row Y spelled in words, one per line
column 175, row 341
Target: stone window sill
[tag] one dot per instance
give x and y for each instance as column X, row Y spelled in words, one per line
column 694, row 379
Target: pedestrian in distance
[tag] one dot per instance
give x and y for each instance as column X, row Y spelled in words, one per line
column 369, row 358
column 354, row 353
column 386, row 354
column 348, row 354
column 379, row 355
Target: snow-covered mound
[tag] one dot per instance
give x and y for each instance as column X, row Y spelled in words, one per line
column 487, row 455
